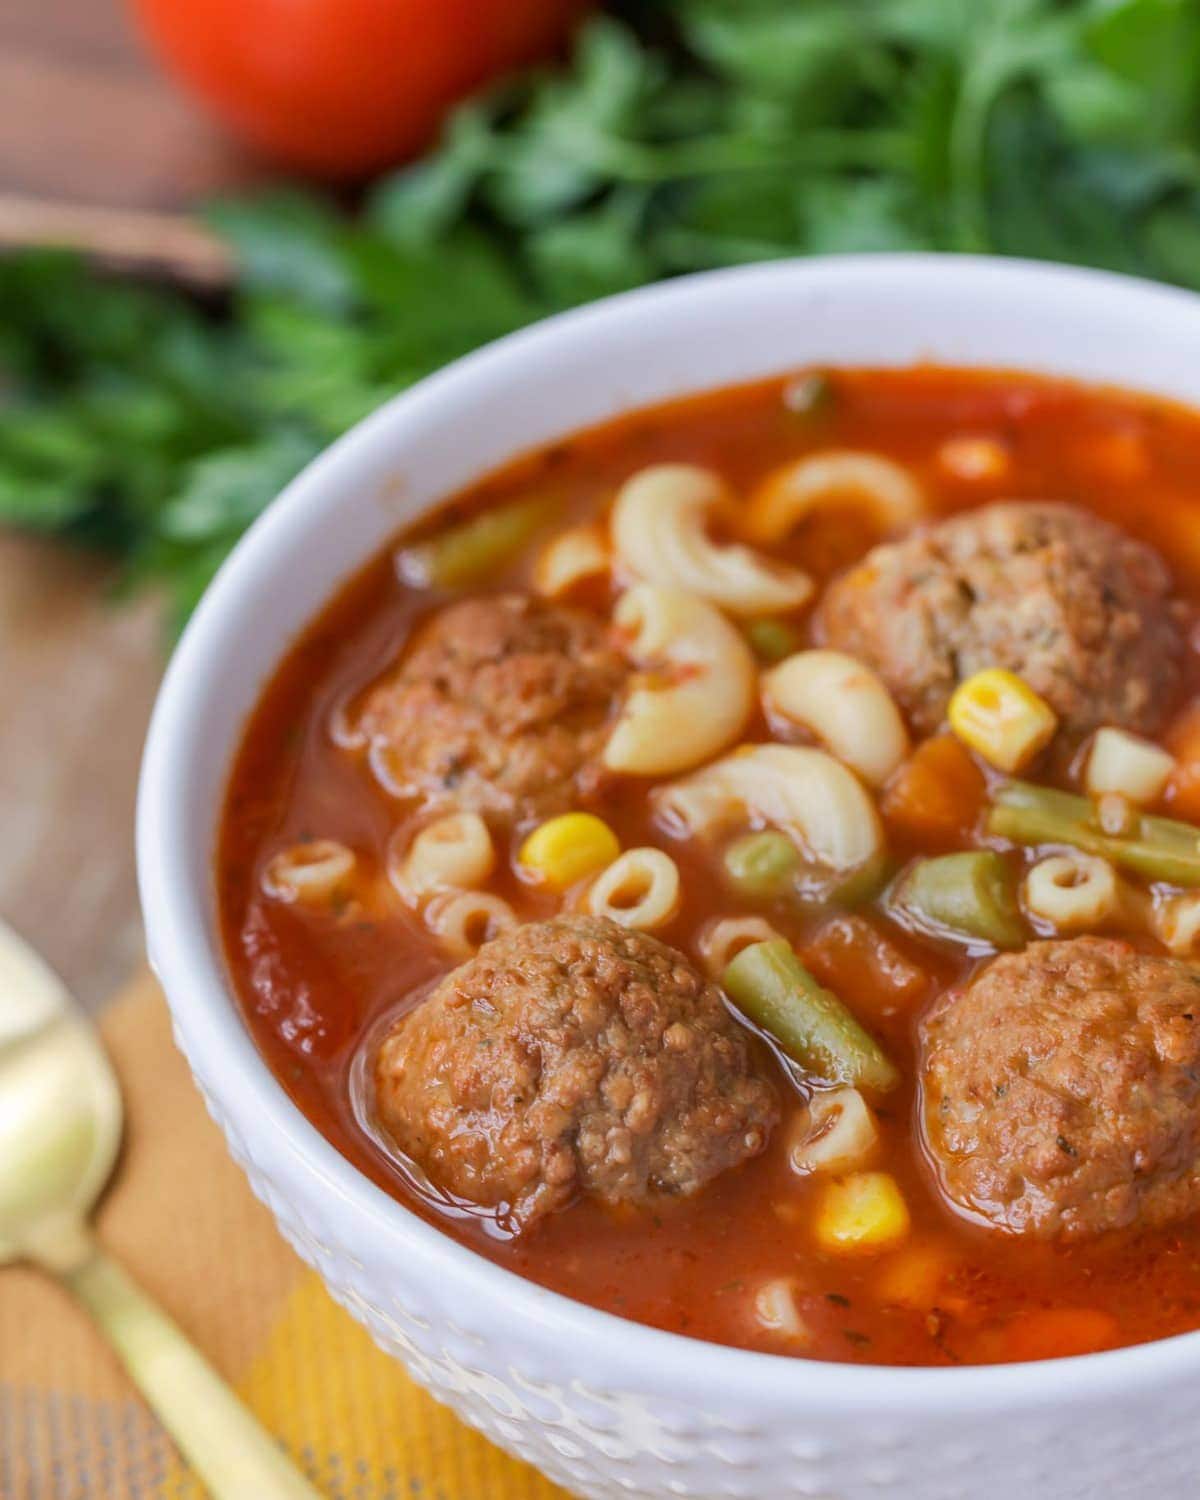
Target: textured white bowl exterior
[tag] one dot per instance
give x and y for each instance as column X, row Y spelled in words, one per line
column 605, row 1407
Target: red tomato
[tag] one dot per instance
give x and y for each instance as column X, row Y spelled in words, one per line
column 345, row 87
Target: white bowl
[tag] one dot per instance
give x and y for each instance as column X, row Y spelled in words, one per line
column 606, row 1407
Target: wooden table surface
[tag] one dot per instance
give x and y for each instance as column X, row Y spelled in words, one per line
column 77, row 679
column 85, row 119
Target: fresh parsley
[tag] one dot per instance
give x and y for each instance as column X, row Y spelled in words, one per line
column 704, row 133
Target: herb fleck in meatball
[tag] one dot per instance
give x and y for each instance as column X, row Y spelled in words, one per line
column 572, row 1057
column 1061, row 1090
column 503, row 704
column 1078, row 609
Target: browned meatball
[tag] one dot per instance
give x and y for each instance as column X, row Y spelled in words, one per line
column 569, row 1057
column 1061, row 1090
column 1078, row 609
column 502, row 704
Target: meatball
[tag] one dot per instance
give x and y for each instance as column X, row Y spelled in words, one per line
column 502, row 704
column 1061, row 1090
column 1078, row 609
column 572, row 1057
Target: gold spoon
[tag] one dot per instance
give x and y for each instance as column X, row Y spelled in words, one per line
column 60, row 1127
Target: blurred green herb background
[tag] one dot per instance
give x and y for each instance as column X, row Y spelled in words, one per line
column 701, row 133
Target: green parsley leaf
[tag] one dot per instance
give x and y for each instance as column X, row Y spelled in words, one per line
column 691, row 134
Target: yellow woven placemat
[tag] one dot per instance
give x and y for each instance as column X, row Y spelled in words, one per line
column 185, row 1223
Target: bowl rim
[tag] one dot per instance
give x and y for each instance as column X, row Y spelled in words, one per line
column 187, row 960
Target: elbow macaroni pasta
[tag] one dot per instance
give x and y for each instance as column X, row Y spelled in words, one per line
column 310, row 872
column 1122, row 764
column 845, row 705
column 658, row 529
column 791, row 493
column 568, row 559
column 463, row 921
column 813, row 798
column 343, row 731
column 1177, row 923
column 639, row 890
column 1073, row 891
column 777, row 1311
column 453, row 853
column 721, row 941
column 835, row 1134
column 709, row 690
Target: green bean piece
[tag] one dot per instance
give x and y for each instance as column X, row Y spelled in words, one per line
column 474, row 549
column 1155, row 848
column 763, row 865
column 865, row 883
column 773, row 640
column 968, row 895
column 770, row 985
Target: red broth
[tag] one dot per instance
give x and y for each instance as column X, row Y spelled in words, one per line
column 313, row 984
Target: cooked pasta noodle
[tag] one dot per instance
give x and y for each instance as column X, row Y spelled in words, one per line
column 640, row 889
column 1177, row 923
column 806, row 793
column 778, row 1312
column 658, row 527
column 845, row 705
column 1074, row 891
column 835, row 1134
column 345, row 733
column 721, row 941
column 569, row 559
column 790, row 494
column 311, row 872
column 464, row 920
column 1124, row 765
column 701, row 688
column 453, row 853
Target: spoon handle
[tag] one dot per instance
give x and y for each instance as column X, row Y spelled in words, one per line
column 235, row 1457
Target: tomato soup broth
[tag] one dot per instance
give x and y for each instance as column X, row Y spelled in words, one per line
column 738, row 1262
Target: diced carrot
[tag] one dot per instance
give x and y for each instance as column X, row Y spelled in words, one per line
column 1183, row 741
column 853, row 957
column 1054, row 1332
column 936, row 796
column 917, row 1276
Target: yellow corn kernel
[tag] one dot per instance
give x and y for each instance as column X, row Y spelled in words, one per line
column 862, row 1212
column 569, row 848
column 1001, row 718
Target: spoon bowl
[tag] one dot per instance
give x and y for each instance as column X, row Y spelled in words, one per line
column 60, row 1107
column 60, row 1132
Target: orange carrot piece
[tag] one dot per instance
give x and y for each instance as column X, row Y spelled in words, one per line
column 936, row 796
column 854, row 958
column 1182, row 796
column 1054, row 1332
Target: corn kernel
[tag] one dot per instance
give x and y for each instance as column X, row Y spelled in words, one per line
column 569, row 848
column 862, row 1212
column 1001, row 718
